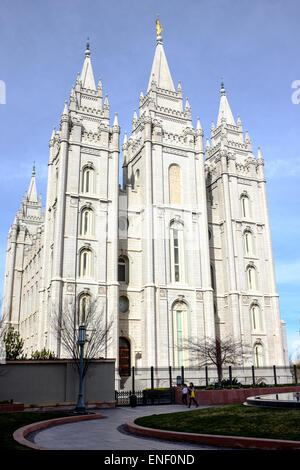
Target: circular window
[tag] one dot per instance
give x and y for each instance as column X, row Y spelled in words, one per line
column 123, row 304
column 123, row 223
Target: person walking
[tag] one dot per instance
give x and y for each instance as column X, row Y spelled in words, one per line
column 184, row 394
column 192, row 395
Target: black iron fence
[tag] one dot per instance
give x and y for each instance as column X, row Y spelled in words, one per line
column 166, row 378
column 144, row 397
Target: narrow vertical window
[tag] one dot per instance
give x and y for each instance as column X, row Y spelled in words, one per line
column 258, row 355
column 245, row 206
column 84, row 305
column 123, row 269
column 87, row 180
column 251, row 278
column 255, row 318
column 85, row 266
column 177, row 252
column 176, row 255
column 86, row 222
column 248, row 243
column 174, row 185
column 180, row 333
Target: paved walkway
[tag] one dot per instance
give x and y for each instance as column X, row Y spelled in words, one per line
column 109, row 432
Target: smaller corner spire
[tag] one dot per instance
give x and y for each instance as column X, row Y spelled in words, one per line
column 65, row 110
column 259, row 155
column 198, row 126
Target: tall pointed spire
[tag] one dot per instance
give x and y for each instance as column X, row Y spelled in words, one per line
column 160, row 70
column 224, row 109
column 87, row 76
column 32, row 194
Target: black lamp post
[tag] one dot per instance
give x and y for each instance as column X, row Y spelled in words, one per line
column 80, row 407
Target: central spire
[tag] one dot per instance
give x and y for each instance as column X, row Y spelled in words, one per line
column 160, row 72
column 87, row 76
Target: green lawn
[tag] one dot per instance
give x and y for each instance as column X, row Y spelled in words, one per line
column 10, row 422
column 230, row 420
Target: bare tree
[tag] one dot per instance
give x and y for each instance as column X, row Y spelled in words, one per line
column 216, row 351
column 98, row 331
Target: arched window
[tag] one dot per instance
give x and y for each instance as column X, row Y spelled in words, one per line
column 251, row 278
column 85, row 263
column 180, row 329
column 248, row 243
column 258, row 355
column 86, row 222
column 83, row 308
column 174, row 184
column 255, row 318
column 245, row 203
column 177, row 252
column 124, row 357
column 123, row 269
column 88, row 180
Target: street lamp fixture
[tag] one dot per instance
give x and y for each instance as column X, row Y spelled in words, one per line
column 80, row 407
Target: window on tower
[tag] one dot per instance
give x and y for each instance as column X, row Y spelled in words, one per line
column 87, row 180
column 177, row 252
column 258, row 355
column 86, row 223
column 123, row 269
column 85, row 263
column 255, row 318
column 245, row 205
column 251, row 278
column 174, row 185
column 248, row 243
column 83, row 310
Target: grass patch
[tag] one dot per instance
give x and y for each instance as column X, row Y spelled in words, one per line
column 230, row 420
column 10, row 422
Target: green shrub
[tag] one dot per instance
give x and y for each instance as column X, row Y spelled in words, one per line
column 43, row 354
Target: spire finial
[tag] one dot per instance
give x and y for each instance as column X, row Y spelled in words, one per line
column 158, row 29
column 222, row 87
column 33, row 168
column 87, row 49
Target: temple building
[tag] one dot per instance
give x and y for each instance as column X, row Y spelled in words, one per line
column 182, row 249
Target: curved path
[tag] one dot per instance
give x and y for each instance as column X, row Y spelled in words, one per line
column 109, row 432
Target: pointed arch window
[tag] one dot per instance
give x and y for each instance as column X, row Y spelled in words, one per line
column 245, row 205
column 251, row 278
column 174, row 184
column 248, row 243
column 88, row 180
column 255, row 314
column 177, row 252
column 83, row 310
column 85, row 263
column 86, row 222
column 180, row 331
column 258, row 355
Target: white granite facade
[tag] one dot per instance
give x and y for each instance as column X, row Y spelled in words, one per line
column 185, row 245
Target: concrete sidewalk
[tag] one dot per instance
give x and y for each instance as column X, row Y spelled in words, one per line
column 109, row 432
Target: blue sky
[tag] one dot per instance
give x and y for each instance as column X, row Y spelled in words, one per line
column 253, row 45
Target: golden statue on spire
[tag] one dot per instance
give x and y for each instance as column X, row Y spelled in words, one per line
column 158, row 27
